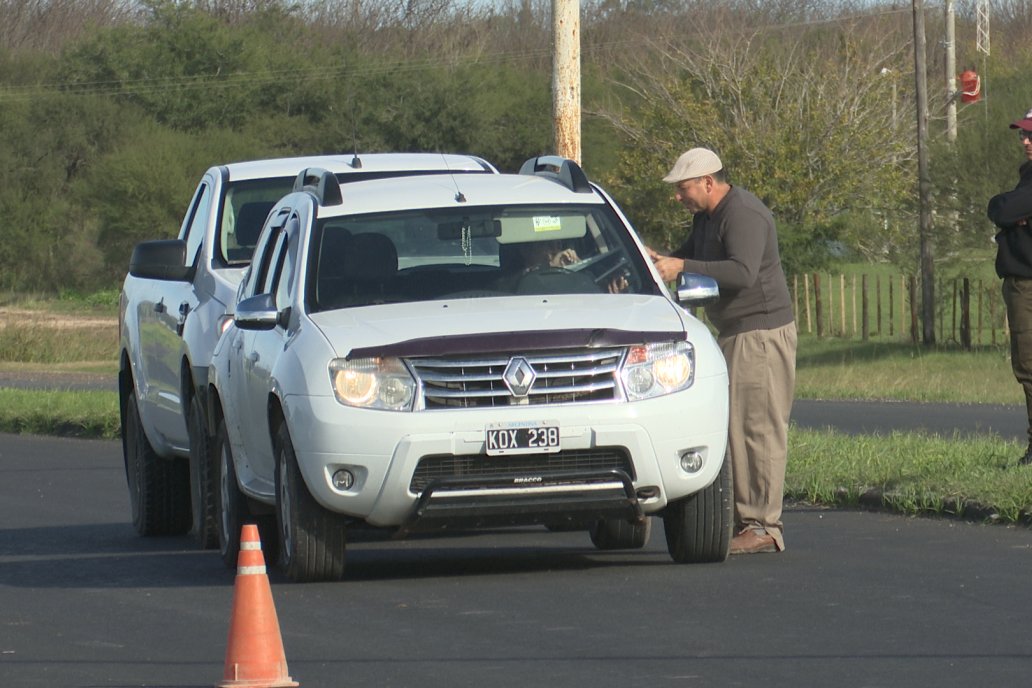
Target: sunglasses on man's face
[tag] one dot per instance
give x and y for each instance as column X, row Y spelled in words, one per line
column 1024, row 134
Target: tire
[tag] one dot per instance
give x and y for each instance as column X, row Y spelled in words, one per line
column 159, row 489
column 311, row 539
column 203, row 486
column 698, row 527
column 617, row 533
column 230, row 503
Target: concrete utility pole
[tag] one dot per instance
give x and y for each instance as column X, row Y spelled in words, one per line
column 566, row 88
column 924, row 180
column 951, row 72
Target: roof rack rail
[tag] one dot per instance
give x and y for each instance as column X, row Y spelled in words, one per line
column 321, row 183
column 563, row 170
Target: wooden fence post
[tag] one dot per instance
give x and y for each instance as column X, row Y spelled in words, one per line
column 817, row 303
column 865, row 333
column 877, row 302
column 890, row 307
column 902, row 303
column 853, row 297
column 965, row 315
column 806, row 289
column 978, row 329
column 992, row 318
column 795, row 297
column 914, row 334
column 953, row 314
column 831, row 306
column 842, row 302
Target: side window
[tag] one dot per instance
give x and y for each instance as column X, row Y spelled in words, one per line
column 275, row 265
column 197, row 221
column 287, row 264
column 258, row 273
column 262, row 266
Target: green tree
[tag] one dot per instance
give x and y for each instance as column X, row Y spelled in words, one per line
column 802, row 118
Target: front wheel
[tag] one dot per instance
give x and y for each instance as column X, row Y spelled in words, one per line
column 231, row 508
column 312, row 539
column 159, row 489
column 698, row 527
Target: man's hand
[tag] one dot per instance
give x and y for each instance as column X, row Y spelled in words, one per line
column 667, row 266
column 564, row 258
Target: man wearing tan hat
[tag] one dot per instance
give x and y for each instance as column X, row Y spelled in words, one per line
column 1011, row 212
column 734, row 241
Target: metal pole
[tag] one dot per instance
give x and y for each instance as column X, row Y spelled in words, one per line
column 951, row 72
column 924, row 181
column 566, row 88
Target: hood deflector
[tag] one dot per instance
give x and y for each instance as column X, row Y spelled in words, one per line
column 494, row 342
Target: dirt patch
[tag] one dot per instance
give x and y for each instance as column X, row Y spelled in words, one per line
column 28, row 318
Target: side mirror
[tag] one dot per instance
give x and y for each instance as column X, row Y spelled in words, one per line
column 696, row 290
column 257, row 313
column 161, row 260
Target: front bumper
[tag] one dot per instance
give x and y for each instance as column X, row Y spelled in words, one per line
column 639, row 472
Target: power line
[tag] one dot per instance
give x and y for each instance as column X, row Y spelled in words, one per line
column 152, row 85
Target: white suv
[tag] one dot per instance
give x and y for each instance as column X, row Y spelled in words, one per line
column 477, row 351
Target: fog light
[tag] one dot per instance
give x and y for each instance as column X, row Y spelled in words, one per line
column 343, row 480
column 691, row 461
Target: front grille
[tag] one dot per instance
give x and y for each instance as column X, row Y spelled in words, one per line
column 434, row 467
column 561, row 377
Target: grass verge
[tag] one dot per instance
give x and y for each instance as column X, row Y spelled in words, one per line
column 911, row 473
column 73, row 414
column 899, row 371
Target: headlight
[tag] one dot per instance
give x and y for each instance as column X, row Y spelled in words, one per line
column 652, row 370
column 375, row 383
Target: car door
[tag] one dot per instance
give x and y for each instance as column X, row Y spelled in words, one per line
column 162, row 313
column 260, row 351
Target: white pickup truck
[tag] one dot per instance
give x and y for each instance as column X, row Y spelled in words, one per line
column 173, row 309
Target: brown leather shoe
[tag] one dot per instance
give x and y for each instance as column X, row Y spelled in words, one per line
column 750, row 541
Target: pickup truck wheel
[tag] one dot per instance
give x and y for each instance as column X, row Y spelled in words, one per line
column 311, row 539
column 231, row 507
column 698, row 527
column 202, row 480
column 159, row 489
column 617, row 533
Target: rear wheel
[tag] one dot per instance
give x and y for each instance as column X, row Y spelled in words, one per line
column 203, row 486
column 616, row 533
column 311, row 539
column 159, row 489
column 231, row 507
column 698, row 527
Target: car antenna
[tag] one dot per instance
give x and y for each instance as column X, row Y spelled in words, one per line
column 356, row 162
column 459, row 196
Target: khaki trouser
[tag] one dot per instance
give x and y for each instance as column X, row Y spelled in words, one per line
column 1017, row 294
column 761, row 376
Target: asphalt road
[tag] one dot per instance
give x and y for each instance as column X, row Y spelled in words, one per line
column 884, row 417
column 857, row 599
column 854, row 417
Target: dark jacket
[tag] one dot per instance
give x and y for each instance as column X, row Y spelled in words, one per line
column 1012, row 213
column 738, row 247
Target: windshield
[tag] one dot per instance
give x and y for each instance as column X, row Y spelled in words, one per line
column 473, row 253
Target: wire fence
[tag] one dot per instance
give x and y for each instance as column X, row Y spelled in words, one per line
column 969, row 312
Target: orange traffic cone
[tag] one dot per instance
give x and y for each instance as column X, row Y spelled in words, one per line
column 254, row 652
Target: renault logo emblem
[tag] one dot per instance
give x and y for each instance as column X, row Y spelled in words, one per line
column 519, row 376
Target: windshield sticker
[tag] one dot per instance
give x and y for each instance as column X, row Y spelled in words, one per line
column 547, row 224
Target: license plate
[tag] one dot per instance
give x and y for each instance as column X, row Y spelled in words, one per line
column 532, row 437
